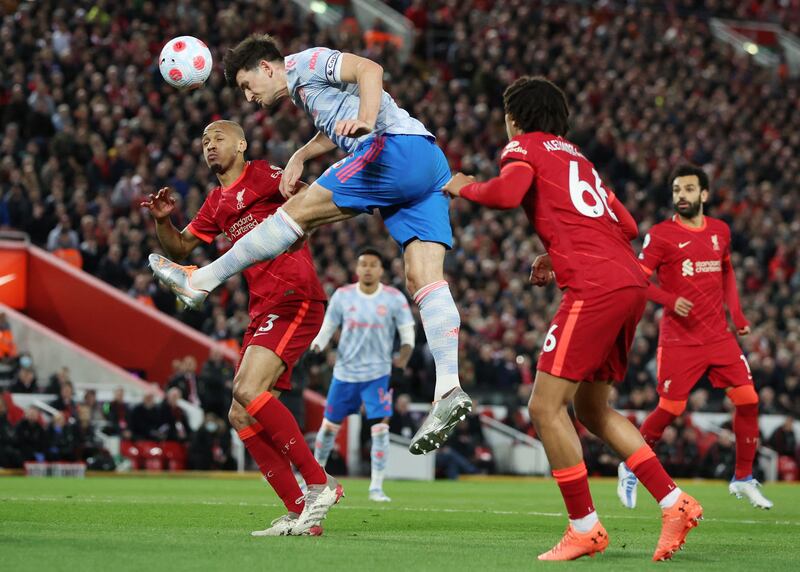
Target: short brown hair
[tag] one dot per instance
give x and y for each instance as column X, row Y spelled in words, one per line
column 537, row 104
column 248, row 53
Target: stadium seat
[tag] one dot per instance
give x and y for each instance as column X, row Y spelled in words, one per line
column 175, row 455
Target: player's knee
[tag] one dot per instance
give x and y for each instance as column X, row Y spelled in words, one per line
column 238, row 418
column 329, row 427
column 540, row 411
column 743, row 396
column 244, row 389
column 247, row 385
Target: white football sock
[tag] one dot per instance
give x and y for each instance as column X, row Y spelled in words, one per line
column 670, row 499
column 270, row 238
column 441, row 322
column 586, row 523
column 326, row 439
column 379, row 455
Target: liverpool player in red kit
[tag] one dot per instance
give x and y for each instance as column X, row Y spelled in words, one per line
column 287, row 306
column 691, row 255
column 587, row 233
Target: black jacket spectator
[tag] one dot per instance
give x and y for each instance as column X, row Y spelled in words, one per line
column 213, row 384
column 720, row 459
column 210, row 448
column 783, row 440
column 62, row 440
column 32, row 438
column 146, row 420
column 10, row 456
column 25, row 381
column 66, row 401
column 175, row 425
column 117, row 413
column 402, row 422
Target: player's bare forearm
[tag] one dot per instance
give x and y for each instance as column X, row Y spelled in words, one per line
column 401, row 361
column 316, row 146
column 174, row 242
column 369, row 77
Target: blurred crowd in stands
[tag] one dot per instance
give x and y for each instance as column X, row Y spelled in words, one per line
column 66, row 427
column 90, row 128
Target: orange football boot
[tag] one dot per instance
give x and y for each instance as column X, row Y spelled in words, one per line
column 676, row 522
column 576, row 544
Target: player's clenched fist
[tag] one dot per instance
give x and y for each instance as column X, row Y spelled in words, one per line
column 683, row 307
column 542, row 270
column 456, row 183
column 160, row 204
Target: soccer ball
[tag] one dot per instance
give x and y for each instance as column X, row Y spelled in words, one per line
column 185, row 62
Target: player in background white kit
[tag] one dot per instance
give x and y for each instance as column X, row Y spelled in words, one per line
column 369, row 314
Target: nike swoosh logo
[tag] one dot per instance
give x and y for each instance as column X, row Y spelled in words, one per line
column 7, row 278
column 682, row 244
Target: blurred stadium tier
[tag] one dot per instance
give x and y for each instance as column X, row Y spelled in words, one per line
column 94, row 316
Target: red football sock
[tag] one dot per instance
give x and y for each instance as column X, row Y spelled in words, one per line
column 745, row 427
column 574, row 485
column 648, row 469
column 653, row 427
column 274, row 466
column 285, row 434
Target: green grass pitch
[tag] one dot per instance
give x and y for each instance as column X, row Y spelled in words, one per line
column 160, row 523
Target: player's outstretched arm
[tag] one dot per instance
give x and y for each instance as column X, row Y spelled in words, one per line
column 175, row 243
column 318, row 145
column 626, row 220
column 731, row 294
column 369, row 77
column 505, row 191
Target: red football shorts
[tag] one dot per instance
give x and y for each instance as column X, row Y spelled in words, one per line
column 681, row 367
column 287, row 328
column 589, row 339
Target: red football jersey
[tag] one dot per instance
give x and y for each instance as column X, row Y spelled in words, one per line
column 235, row 211
column 689, row 262
column 568, row 207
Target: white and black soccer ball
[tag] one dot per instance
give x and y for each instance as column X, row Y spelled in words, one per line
column 185, row 62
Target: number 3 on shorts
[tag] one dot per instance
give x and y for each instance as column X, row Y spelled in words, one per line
column 269, row 323
column 550, row 340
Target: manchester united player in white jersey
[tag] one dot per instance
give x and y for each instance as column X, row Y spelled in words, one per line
column 690, row 253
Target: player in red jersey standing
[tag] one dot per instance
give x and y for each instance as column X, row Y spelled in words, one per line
column 287, row 306
column 587, row 234
column 691, row 254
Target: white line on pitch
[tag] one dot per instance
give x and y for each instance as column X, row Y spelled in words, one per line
column 107, row 500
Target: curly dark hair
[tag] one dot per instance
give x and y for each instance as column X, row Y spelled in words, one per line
column 248, row 53
column 687, row 170
column 537, row 104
